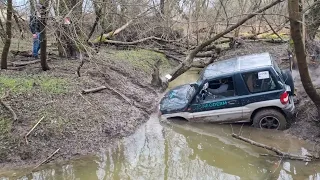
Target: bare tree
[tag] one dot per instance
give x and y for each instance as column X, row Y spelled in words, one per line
column 295, row 29
column 187, row 63
column 6, row 47
column 313, row 20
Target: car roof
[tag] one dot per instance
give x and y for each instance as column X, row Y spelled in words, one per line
column 237, row 64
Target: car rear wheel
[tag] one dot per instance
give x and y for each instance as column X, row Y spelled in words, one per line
column 269, row 119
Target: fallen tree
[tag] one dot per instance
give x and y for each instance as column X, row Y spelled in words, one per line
column 187, row 63
column 279, row 153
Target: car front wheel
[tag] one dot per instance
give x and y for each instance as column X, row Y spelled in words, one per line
column 269, row 119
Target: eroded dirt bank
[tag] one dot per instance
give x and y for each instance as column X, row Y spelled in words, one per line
column 77, row 124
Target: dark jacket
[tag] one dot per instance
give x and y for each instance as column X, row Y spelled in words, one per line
column 34, row 24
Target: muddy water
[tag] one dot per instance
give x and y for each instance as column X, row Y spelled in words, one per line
column 182, row 150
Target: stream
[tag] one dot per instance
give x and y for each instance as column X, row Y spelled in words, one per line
column 184, row 150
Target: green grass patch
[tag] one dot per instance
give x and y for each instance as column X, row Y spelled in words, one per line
column 143, row 59
column 22, row 84
column 273, row 36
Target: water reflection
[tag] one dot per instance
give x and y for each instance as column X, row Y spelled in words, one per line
column 181, row 150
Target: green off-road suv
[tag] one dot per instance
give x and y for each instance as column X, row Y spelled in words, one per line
column 249, row 88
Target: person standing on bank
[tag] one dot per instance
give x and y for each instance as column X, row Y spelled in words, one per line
column 35, row 30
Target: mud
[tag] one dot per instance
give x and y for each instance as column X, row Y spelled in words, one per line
column 77, row 124
column 306, row 123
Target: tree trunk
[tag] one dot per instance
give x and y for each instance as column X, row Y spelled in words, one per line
column 6, row 46
column 295, row 29
column 187, row 63
column 43, row 35
column 98, row 12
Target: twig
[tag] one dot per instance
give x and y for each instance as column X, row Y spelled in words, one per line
column 8, row 107
column 55, row 152
column 272, row 28
column 26, row 136
column 85, row 99
column 278, row 152
column 120, row 94
column 93, row 90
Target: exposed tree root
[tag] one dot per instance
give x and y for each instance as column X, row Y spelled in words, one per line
column 80, row 65
column 8, row 107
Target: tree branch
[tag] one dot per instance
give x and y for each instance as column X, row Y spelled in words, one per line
column 277, row 151
column 187, row 63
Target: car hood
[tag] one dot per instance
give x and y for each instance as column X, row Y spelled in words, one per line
column 177, row 99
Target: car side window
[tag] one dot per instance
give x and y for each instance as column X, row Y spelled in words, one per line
column 260, row 81
column 218, row 89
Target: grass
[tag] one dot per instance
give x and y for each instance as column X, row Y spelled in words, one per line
column 273, row 36
column 143, row 59
column 23, row 84
column 268, row 35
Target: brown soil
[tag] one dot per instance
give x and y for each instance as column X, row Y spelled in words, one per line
column 306, row 124
column 76, row 124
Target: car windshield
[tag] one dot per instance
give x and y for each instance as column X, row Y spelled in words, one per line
column 179, row 97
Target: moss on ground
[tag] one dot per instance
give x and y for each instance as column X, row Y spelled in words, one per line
column 267, row 35
column 273, row 36
column 143, row 59
column 23, row 84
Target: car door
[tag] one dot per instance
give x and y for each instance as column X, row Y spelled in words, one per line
column 222, row 107
column 260, row 90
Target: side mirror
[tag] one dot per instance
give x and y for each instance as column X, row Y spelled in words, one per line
column 205, row 86
column 195, row 85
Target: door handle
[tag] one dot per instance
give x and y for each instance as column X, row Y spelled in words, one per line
column 232, row 102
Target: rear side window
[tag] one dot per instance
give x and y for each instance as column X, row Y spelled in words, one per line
column 260, row 81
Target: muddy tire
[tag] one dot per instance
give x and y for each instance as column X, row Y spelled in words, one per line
column 269, row 119
column 288, row 80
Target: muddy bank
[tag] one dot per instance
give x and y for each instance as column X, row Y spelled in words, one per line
column 77, row 124
column 306, row 124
